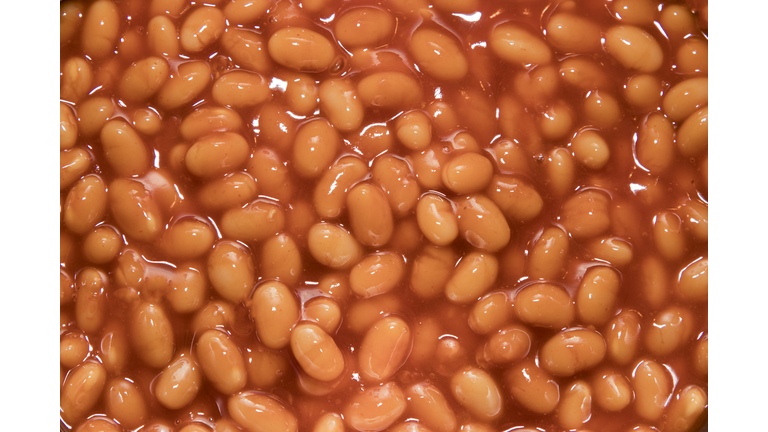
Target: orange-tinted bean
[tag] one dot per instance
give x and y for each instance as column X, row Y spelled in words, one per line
column 73, row 349
column 301, row 49
column 230, row 191
column 100, row 29
column 281, row 259
column 575, row 408
column 572, row 351
column 490, row 313
column 548, row 255
column 467, row 173
column 124, row 149
column 247, row 49
column 389, row 91
column 254, row 222
column 259, row 412
column 125, row 403
column 333, row 246
column 325, row 312
column 438, row 53
column 514, row 44
column 560, row 170
column 652, row 386
column 693, row 135
column 532, row 387
column 693, row 280
column 427, row 403
column 185, row 84
column 221, row 361
column 376, row 274
column 384, row 348
column 517, row 199
column 685, row 409
column 586, row 214
column 654, row 147
column 473, row 276
column 623, row 336
column 668, row 236
column 152, row 335
column 544, row 304
column 508, row 345
column 370, row 214
column 596, row 298
column 634, row 48
column 265, row 367
column 612, row 391
column 271, row 174
column 476, row 390
column 316, row 352
column 217, row 153
column 431, row 271
column 86, row 204
column 178, row 384
column 375, row 408
column 670, row 329
column 274, row 310
column 230, row 270
column 162, row 37
column 482, row 224
column 395, row 177
column 241, row 89
column 81, row 390
column 314, row 148
column 91, row 302
column 330, row 191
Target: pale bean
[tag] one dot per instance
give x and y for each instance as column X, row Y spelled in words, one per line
column 572, row 351
column 230, row 270
column 583, row 73
column 134, row 209
column 586, row 215
column 363, row 313
column 490, row 313
column 301, row 49
column 685, row 98
column 73, row 349
column 638, row 12
column 436, row 219
column 185, row 84
column 81, row 390
column 329, row 422
column 187, row 291
column 247, row 49
column 370, row 215
column 203, row 121
column 654, row 147
column 602, row 109
column 517, row 199
column 467, row 173
column 68, row 127
column 615, row 250
column 508, row 345
column 634, row 48
column 215, row 314
column 373, row 140
column 623, row 336
column 162, row 37
column 201, row 28
column 693, row 135
column 701, row 357
column 643, row 91
column 428, row 404
column 281, row 259
column 515, row 44
column 274, row 310
column 76, row 79
column 375, row 408
column 124, row 149
column 217, row 153
column 254, row 222
column 389, row 91
column 273, row 177
column 152, row 335
column 333, row 246
column 314, row 148
column 376, row 274
column 259, row 412
column 538, row 85
column 265, row 367
column 241, row 89
column 572, row 33
column 114, row 348
column 556, row 122
column 171, row 7
column 316, row 352
column 544, row 305
column 146, row 121
column 188, row 237
column 652, row 386
column 70, row 18
column 301, row 94
column 93, row 113
column 427, row 166
column 532, row 387
column 91, row 299
column 86, row 204
column 548, row 255
column 560, row 171
column 670, row 329
column 476, row 391
column 668, row 236
column 395, row 177
column 245, row 11
column 142, row 79
column 364, row 27
column 612, row 391
column 575, row 408
column 233, row 190
column 330, row 192
column 384, row 349
column 693, row 280
column 100, row 30
column 438, row 53
column 685, row 409
column 482, row 224
column 596, row 297
column 125, row 403
column 221, row 361
column 590, row 149
column 101, row 424
column 693, row 56
column 340, row 103
column 473, row 276
column 678, row 21
column 431, row 271
column 325, row 312
column 414, row 130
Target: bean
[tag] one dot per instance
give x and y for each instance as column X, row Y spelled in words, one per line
column 217, row 153
column 572, row 351
column 93, row 113
column 188, row 237
column 693, row 280
column 184, row 85
column 693, row 135
column 330, row 191
column 654, row 146
column 71, row 15
column 265, row 367
column 245, row 11
column 596, row 298
column 537, row 86
column 438, row 53
column 623, row 336
column 508, row 345
column 86, row 204
column 134, row 209
column 583, row 73
column 215, row 314
column 201, row 28
column 99, row 424
column 590, row 149
column 572, row 33
column 693, row 56
column 548, row 255
column 113, row 348
column 125, row 403
column 365, row 312
column 414, row 130
column 490, row 313
column 436, row 219
column 188, row 290
column 91, row 301
column 449, row 356
column 560, row 171
column 73, row 349
column 254, row 222
column 373, row 140
column 638, row 12
column 221, row 361
column 643, row 91
column 301, row 49
column 678, row 21
column 333, row 246
column 364, row 27
column 241, row 89
column 473, row 276
column 142, row 79
column 316, row 352
column 545, row 305
column 230, row 270
column 171, row 7
column 124, row 149
column 76, row 79
column 271, row 173
column 329, row 422
column 370, row 215
column 685, row 98
column 653, row 281
column 482, row 224
column 376, row 274
column 232, row 190
column 384, row 349
column 467, row 173
column 394, row 175
column 281, row 259
column 556, row 122
column 389, row 91
column 685, row 409
column 152, row 335
column 701, row 357
column 147, row 121
column 427, row 166
column 516, row 198
column 325, row 312
column 81, row 390
column 301, row 93
column 575, row 408
column 66, row 288
column 162, row 37
column 668, row 236
column 612, row 391
column 340, row 103
column 431, row 271
column 68, row 127
column 203, row 121
column 100, row 29
column 247, row 49
column 532, row 387
column 585, row 215
column 476, row 391
column 314, row 148
column 602, row 109
column 652, row 386
column 375, row 408
column 274, row 310
column 259, row 412
column 515, row 44
column 428, row 404
column 633, row 48
column 670, row 329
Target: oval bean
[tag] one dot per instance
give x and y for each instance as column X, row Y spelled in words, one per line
column 221, row 361
column 482, row 224
column 384, row 349
column 184, row 85
column 652, row 387
column 152, row 335
column 259, row 412
column 76, row 79
column 274, row 310
column 301, row 49
column 230, row 270
column 333, row 246
column 670, row 329
column 142, row 79
column 515, row 44
column 370, row 215
column 364, row 27
column 134, row 209
column 86, row 204
column 508, row 345
column 693, row 280
column 389, row 91
column 217, row 153
column 623, row 336
column 375, row 408
column 476, row 391
column 376, row 274
column 100, row 29
column 253, row 222
column 634, row 48
column 532, row 387
column 438, row 54
column 548, row 256
column 545, row 305
column 241, row 89
column 572, row 33
column 684, row 98
column 572, row 351
column 685, row 409
column 596, row 298
column 162, row 37
column 473, row 276
column 612, row 391
column 314, row 148
column 124, row 149
column 340, row 103
column 575, row 408
column 81, row 390
column 693, row 135
column 177, row 385
column 125, row 403
column 201, row 28
column 91, row 299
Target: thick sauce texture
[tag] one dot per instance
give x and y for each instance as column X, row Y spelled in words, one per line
column 422, row 216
